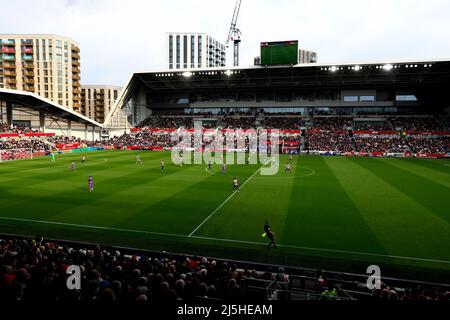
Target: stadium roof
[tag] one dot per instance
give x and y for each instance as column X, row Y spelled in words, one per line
column 345, row 75
column 38, row 103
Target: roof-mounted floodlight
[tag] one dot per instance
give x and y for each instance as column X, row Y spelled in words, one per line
column 187, row 74
column 388, row 67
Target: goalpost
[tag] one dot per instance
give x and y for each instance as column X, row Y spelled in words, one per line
column 16, row 154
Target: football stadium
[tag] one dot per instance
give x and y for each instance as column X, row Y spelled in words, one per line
column 361, row 179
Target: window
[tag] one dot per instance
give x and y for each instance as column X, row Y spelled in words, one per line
column 178, row 51
column 406, row 97
column 367, row 98
column 171, row 49
column 350, row 98
column 192, row 51
column 199, row 56
column 185, row 52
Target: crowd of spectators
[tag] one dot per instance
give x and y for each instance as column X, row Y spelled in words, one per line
column 283, row 123
column 323, row 134
column 331, row 123
column 5, row 128
column 434, row 145
column 143, row 139
column 35, row 144
column 329, row 141
column 372, row 126
column 157, row 122
column 380, row 144
column 429, row 124
column 35, row 271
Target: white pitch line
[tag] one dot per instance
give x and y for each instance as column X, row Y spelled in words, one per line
column 223, row 240
column 325, row 250
column 223, row 203
column 92, row 227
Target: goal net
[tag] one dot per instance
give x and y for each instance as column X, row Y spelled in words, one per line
column 16, row 154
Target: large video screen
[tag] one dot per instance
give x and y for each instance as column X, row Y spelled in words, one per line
column 279, row 53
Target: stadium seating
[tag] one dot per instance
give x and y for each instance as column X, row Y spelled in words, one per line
column 34, row 270
column 347, row 134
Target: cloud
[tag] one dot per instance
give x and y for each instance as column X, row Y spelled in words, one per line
column 121, row 37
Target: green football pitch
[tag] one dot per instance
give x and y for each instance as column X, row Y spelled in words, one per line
column 331, row 212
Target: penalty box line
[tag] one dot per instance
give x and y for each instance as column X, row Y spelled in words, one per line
column 222, row 204
column 225, row 240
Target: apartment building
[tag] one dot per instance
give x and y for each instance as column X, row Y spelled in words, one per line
column 194, row 51
column 97, row 101
column 48, row 65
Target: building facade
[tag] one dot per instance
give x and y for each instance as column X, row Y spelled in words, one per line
column 194, row 51
column 48, row 65
column 307, row 56
column 350, row 89
column 97, row 101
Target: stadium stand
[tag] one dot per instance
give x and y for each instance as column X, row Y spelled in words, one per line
column 346, row 134
column 34, row 270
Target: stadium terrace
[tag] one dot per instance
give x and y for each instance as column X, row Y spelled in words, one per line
column 350, row 89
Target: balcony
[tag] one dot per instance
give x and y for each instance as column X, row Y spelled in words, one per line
column 75, row 70
column 27, row 42
column 27, row 57
column 11, row 81
column 13, row 86
column 100, row 103
column 8, row 42
column 75, row 77
column 75, row 56
column 28, row 73
column 76, row 107
column 27, row 49
column 9, row 65
column 8, row 57
column 28, row 80
column 9, row 73
column 75, row 63
column 76, row 98
column 75, row 84
column 28, row 88
column 28, row 65
column 75, row 49
column 8, row 50
column 76, row 91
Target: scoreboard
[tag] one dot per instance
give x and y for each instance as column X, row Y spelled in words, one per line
column 279, row 53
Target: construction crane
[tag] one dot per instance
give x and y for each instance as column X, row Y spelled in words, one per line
column 235, row 34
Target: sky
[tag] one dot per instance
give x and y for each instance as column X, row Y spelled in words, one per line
column 119, row 37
